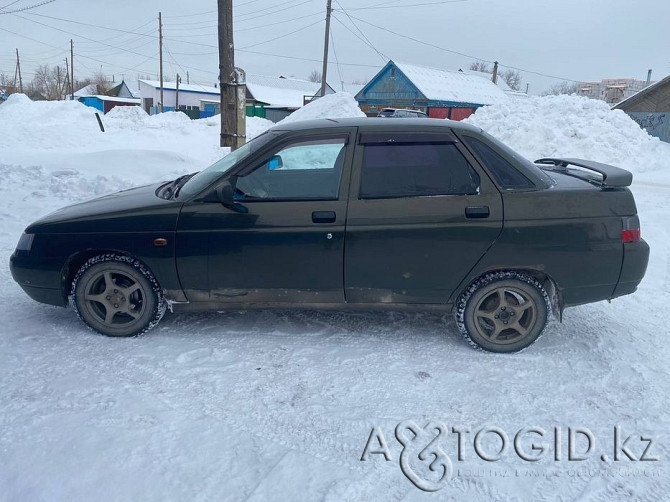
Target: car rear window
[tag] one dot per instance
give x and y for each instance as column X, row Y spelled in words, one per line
column 415, row 170
column 504, row 173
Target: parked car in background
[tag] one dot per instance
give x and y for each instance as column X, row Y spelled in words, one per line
column 349, row 214
column 402, row 113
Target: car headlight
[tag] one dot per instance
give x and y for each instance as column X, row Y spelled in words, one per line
column 25, row 242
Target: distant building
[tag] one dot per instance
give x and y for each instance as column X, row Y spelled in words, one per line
column 453, row 94
column 106, row 103
column 189, row 98
column 278, row 97
column 650, row 108
column 115, row 95
column 611, row 90
column 268, row 97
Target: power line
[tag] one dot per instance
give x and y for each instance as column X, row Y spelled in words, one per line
column 337, row 61
column 306, row 59
column 9, row 4
column 55, row 47
column 407, row 5
column 81, row 36
column 265, row 25
column 275, row 11
column 360, row 38
column 282, row 36
column 26, row 8
column 92, row 25
column 469, row 56
column 197, row 14
column 366, row 40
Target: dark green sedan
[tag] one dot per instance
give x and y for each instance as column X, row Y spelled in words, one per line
column 349, row 214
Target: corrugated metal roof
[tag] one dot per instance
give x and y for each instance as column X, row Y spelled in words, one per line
column 282, row 92
column 454, row 86
column 182, row 87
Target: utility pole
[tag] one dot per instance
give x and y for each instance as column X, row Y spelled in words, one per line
column 66, row 85
column 527, row 87
column 495, row 72
column 72, row 69
column 187, row 78
column 227, row 80
column 324, row 70
column 176, row 96
column 18, row 69
column 160, row 57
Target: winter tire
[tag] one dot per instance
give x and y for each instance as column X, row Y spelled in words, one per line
column 117, row 296
column 503, row 311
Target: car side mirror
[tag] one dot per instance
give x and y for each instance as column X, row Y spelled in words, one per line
column 225, row 194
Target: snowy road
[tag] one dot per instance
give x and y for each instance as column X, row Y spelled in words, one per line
column 254, row 405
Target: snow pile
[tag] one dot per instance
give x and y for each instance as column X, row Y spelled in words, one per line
column 331, row 106
column 45, row 124
column 573, row 126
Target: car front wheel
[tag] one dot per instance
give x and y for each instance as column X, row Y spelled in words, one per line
column 503, row 311
column 117, row 296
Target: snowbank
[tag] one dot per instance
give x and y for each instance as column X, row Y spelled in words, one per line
column 573, row 126
column 331, row 106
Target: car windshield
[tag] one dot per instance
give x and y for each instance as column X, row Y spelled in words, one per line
column 208, row 176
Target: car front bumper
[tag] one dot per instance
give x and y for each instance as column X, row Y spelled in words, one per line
column 39, row 278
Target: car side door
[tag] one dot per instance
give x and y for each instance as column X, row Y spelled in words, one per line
column 421, row 214
column 285, row 241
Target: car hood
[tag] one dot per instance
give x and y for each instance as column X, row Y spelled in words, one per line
column 135, row 209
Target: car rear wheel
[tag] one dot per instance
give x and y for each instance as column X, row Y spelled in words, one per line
column 503, row 311
column 117, row 296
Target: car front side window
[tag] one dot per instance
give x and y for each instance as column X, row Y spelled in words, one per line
column 304, row 170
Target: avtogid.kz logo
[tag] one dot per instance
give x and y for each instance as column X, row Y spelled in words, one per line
column 425, row 463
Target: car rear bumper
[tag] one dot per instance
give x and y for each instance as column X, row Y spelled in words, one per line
column 635, row 259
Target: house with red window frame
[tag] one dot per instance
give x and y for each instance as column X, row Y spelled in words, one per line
column 452, row 94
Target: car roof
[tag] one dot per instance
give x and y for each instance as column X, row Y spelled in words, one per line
column 375, row 122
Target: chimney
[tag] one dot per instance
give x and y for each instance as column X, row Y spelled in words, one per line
column 648, row 77
column 495, row 72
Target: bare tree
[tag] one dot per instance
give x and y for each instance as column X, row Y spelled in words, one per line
column 100, row 82
column 57, row 83
column 561, row 88
column 6, row 81
column 512, row 77
column 40, row 82
column 481, row 66
column 315, row 76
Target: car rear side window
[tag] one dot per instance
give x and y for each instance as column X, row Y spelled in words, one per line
column 415, row 170
column 504, row 173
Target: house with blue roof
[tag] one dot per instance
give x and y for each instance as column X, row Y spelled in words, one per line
column 452, row 94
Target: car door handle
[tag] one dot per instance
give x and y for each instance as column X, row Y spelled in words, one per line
column 323, row 217
column 477, row 212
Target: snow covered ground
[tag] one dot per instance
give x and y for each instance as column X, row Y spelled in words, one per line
column 280, row 405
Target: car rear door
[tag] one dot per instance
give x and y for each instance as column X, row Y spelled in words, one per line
column 421, row 214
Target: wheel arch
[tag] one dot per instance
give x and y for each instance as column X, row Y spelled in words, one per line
column 77, row 260
column 547, row 281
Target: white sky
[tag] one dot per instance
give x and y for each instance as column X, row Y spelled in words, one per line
column 571, row 39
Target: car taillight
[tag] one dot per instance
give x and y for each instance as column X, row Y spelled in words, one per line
column 631, row 229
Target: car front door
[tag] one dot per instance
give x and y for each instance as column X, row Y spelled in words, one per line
column 421, row 214
column 286, row 243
